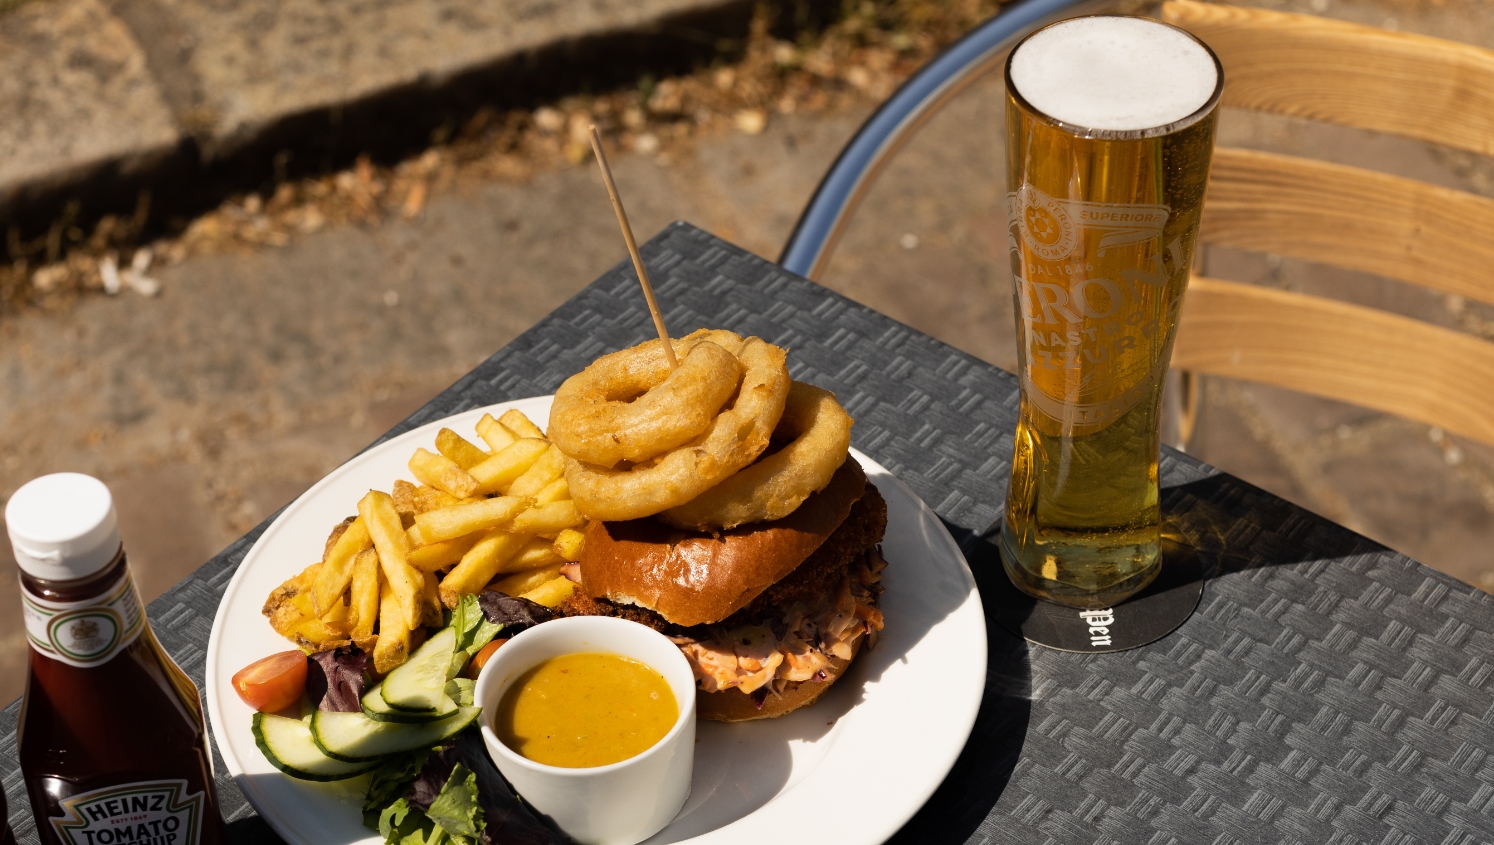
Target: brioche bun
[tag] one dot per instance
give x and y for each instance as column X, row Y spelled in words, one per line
column 690, row 578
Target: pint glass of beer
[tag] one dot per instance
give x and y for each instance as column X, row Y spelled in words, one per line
column 1110, row 128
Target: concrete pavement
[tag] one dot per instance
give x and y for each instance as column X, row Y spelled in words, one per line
column 188, row 99
column 78, row 97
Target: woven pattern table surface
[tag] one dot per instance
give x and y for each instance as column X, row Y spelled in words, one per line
column 1327, row 690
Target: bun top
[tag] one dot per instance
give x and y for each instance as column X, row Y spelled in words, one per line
column 691, row 578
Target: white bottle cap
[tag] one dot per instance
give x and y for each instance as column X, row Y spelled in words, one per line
column 62, row 526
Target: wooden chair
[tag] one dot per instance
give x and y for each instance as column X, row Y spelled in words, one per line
column 1359, row 76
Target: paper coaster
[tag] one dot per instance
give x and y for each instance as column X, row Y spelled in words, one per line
column 1146, row 617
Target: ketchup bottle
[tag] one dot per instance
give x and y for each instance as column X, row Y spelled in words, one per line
column 112, row 742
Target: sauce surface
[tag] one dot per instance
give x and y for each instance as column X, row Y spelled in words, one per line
column 582, row 710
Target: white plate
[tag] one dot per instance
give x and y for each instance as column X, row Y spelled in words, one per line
column 877, row 745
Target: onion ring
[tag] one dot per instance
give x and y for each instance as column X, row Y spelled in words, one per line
column 733, row 440
column 629, row 406
column 772, row 488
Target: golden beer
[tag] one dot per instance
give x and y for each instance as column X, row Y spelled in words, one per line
column 1103, row 218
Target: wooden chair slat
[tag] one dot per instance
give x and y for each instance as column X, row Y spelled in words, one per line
column 1405, row 84
column 1339, row 351
column 1359, row 219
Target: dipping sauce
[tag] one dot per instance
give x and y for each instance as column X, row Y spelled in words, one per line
column 584, row 710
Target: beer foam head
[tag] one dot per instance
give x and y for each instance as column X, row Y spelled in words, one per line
column 1114, row 73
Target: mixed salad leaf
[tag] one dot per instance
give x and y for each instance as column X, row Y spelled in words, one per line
column 452, row 795
column 450, row 803
column 335, row 679
column 514, row 614
column 473, row 631
column 387, row 786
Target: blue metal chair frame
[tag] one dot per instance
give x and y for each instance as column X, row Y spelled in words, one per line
column 812, row 243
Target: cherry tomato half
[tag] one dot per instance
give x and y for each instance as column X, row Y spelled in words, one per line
column 272, row 683
column 482, row 657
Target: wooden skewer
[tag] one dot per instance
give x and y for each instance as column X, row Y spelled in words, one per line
column 622, row 220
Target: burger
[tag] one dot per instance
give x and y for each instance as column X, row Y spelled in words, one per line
column 769, row 614
column 727, row 513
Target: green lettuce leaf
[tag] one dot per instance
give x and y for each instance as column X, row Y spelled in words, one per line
column 398, row 819
column 403, row 824
column 388, row 783
column 457, row 809
column 427, row 834
column 473, row 631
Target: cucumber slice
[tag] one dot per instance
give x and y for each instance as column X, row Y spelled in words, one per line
column 420, row 683
column 288, row 745
column 353, row 737
column 374, row 707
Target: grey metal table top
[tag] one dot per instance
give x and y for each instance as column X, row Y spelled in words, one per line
column 1328, row 690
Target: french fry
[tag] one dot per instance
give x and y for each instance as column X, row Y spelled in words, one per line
column 428, row 498
column 377, row 512
column 403, row 494
column 569, row 543
column 303, row 604
column 337, row 568
column 289, row 589
column 514, row 420
column 551, row 593
column 550, row 466
column 494, row 434
column 430, row 596
column 378, row 583
column 337, row 531
column 338, row 616
column 291, row 611
column 294, row 618
column 364, row 604
column 410, row 500
column 536, row 553
column 522, row 582
column 459, row 449
column 548, row 519
column 434, row 556
column 484, row 560
column 442, row 473
column 495, row 474
column 393, row 647
column 450, row 523
column 556, row 491
column 314, row 635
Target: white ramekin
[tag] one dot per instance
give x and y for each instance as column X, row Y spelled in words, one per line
column 621, row 803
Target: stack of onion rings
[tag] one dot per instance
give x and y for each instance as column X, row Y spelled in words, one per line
column 820, row 433
column 628, row 406
column 672, row 477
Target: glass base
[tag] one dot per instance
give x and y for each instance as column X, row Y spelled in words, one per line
column 1047, row 589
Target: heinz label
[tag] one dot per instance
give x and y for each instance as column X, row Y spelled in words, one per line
column 150, row 813
column 84, row 633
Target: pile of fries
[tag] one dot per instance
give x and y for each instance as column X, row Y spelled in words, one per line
column 499, row 518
